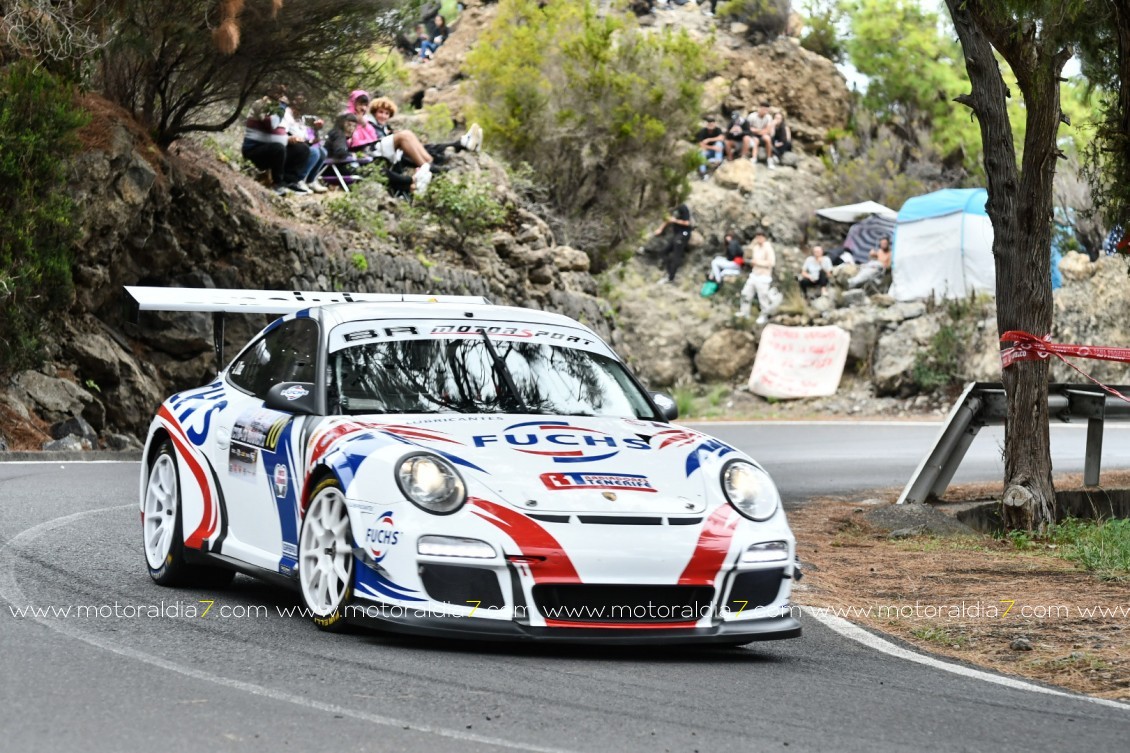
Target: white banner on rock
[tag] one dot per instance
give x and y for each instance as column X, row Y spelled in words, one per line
column 799, row 361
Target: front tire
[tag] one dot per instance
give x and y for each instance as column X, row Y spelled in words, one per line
column 325, row 557
column 162, row 532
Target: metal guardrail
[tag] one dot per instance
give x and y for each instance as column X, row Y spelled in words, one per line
column 985, row 404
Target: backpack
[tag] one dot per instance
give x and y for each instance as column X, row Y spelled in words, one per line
column 709, row 288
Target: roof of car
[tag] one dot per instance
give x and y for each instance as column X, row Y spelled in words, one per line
column 340, row 313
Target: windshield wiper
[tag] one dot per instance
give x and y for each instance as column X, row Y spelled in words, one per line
column 500, row 367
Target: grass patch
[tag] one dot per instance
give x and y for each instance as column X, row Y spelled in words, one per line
column 940, row 635
column 1099, row 547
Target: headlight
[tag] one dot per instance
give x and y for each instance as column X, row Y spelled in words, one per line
column 750, row 490
column 431, row 483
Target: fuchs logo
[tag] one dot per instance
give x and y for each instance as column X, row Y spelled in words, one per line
column 561, row 441
column 281, row 481
column 382, row 536
column 620, row 481
column 295, row 391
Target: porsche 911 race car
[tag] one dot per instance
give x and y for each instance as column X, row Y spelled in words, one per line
column 447, row 467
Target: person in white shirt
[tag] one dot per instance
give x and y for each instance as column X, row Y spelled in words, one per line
column 814, row 273
column 761, row 260
column 761, row 133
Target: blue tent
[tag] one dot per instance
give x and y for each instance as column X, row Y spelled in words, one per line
column 943, row 246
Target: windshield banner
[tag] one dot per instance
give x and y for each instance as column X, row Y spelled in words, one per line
column 354, row 333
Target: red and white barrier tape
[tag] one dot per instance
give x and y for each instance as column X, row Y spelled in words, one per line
column 1028, row 347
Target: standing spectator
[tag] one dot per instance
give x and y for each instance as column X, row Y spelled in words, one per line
column 814, row 273
column 730, row 262
column 711, row 140
column 737, row 136
column 267, row 145
column 761, row 131
column 761, row 259
column 782, row 136
column 680, row 225
column 877, row 264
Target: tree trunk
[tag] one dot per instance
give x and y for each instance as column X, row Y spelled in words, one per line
column 1020, row 209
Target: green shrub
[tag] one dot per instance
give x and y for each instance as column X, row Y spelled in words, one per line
column 462, row 208
column 600, row 110
column 438, row 123
column 939, row 365
column 765, row 19
column 39, row 121
column 821, row 35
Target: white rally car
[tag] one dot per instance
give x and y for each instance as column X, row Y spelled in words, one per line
column 446, row 467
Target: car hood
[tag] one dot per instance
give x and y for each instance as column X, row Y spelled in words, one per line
column 571, row 464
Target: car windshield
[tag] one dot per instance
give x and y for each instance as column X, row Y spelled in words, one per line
column 478, row 375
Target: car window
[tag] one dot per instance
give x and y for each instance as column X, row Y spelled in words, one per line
column 288, row 353
column 460, row 375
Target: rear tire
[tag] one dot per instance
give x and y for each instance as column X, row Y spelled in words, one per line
column 162, row 532
column 325, row 557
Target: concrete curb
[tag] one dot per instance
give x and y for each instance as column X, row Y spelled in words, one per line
column 128, row 456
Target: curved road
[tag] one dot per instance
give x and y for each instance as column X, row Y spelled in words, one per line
column 244, row 677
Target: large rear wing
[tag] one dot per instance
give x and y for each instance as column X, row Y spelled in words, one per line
column 221, row 301
column 236, row 301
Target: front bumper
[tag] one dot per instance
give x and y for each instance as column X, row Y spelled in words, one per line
column 478, row 629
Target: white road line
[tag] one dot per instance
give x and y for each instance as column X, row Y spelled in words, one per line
column 872, row 641
column 61, row 463
column 10, row 591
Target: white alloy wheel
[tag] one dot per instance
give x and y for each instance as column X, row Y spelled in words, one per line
column 161, row 497
column 325, row 556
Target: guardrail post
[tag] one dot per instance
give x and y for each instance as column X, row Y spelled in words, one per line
column 1092, row 406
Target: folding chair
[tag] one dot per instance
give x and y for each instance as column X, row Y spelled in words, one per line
column 336, row 176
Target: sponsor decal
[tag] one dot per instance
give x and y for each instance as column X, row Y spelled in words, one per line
column 619, row 481
column 382, row 536
column 280, row 480
column 241, row 461
column 476, row 330
column 295, row 391
column 260, row 428
column 290, row 549
column 561, row 441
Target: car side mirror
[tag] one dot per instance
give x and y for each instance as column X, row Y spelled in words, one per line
column 292, row 397
column 666, row 404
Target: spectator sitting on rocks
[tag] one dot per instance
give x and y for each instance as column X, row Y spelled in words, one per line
column 425, row 47
column 874, row 268
column 737, row 135
column 304, row 128
column 814, row 273
column 337, row 142
column 761, row 259
column 680, row 225
column 761, row 131
column 383, row 110
column 730, row 262
column 782, row 136
column 390, row 147
column 440, row 32
column 267, row 145
column 711, row 140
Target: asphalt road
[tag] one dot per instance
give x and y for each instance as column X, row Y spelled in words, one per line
column 245, row 678
column 807, row 459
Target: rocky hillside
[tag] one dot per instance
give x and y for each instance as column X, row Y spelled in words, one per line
column 189, row 218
